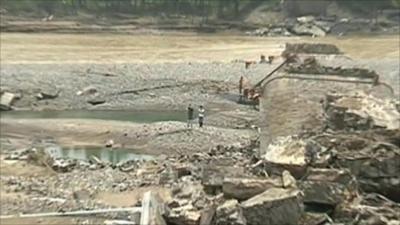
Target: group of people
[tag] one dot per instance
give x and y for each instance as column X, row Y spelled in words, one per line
column 191, row 116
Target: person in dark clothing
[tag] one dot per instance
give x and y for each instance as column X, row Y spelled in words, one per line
column 201, row 116
column 190, row 116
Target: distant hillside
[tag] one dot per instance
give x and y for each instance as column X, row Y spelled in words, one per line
column 207, row 15
column 223, row 9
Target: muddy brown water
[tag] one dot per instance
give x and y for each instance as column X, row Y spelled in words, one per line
column 119, row 48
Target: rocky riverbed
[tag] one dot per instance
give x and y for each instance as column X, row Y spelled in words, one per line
column 329, row 173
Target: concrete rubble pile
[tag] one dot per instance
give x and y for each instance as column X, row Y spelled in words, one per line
column 345, row 172
column 357, row 152
column 310, row 65
column 308, row 48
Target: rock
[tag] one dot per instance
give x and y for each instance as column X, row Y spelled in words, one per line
column 369, row 209
column 328, row 186
column 96, row 101
column 185, row 215
column 288, row 180
column 360, row 111
column 230, row 213
column 48, row 94
column 61, row 165
column 309, row 218
column 207, row 216
column 245, row 188
column 376, row 168
column 109, row 143
column 182, row 170
column 275, row 206
column 119, row 222
column 309, row 48
column 305, row 19
column 6, row 101
column 89, row 90
column 324, row 25
column 286, row 154
column 81, row 195
column 308, row 29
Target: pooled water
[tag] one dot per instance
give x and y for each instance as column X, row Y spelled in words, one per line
column 112, row 155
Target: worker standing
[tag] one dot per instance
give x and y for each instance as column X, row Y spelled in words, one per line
column 190, row 116
column 240, row 88
column 201, row 116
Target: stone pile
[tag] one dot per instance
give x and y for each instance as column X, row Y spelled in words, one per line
column 319, row 177
column 318, row 27
column 356, row 153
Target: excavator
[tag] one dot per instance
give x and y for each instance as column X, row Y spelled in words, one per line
column 251, row 95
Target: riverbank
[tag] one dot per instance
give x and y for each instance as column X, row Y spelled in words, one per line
column 143, row 138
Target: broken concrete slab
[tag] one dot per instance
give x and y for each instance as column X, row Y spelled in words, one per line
column 230, row 213
column 6, row 100
column 286, row 153
column 328, row 186
column 89, row 90
column 50, row 93
column 369, row 209
column 213, row 175
column 185, row 215
column 245, row 188
column 275, row 206
column 288, row 181
column 360, row 111
column 309, row 48
column 308, row 29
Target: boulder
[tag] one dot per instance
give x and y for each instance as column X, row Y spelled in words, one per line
column 328, row 186
column 230, row 213
column 245, row 188
column 184, row 215
column 376, row 168
column 214, row 173
column 308, row 29
column 360, row 111
column 96, row 101
column 6, row 100
column 310, row 218
column 309, row 48
column 305, row 19
column 207, row 216
column 50, row 93
column 89, row 90
column 369, row 209
column 288, row 180
column 286, row 153
column 275, row 206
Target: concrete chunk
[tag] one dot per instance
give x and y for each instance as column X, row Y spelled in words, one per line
column 7, row 100
column 245, row 188
column 328, row 186
column 275, row 206
column 230, row 213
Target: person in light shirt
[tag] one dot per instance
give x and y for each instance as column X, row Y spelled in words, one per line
column 201, row 116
